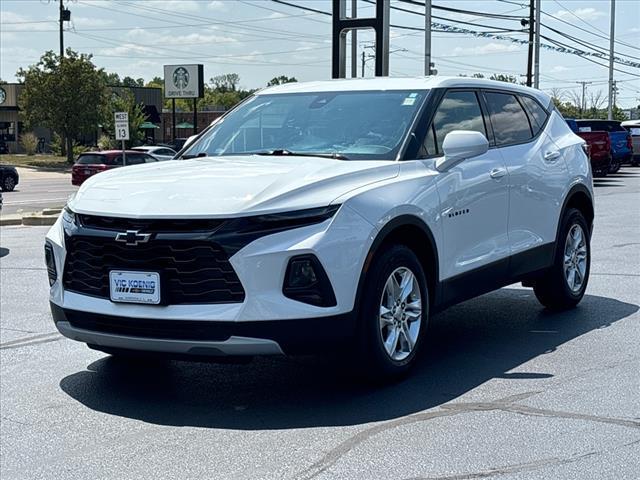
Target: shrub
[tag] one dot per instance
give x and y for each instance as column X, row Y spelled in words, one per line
column 105, row 142
column 29, row 142
column 78, row 149
column 56, row 145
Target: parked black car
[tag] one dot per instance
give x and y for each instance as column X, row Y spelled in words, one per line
column 9, row 178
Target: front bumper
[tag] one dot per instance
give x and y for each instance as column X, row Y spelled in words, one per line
column 206, row 338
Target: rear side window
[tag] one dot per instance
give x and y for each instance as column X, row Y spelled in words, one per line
column 136, row 158
column 457, row 111
column 509, row 120
column 537, row 114
column 91, row 159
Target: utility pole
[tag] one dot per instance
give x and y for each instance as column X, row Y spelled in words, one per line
column 427, row 37
column 611, row 53
column 363, row 60
column 583, row 104
column 354, row 41
column 61, row 29
column 530, row 54
column 536, row 70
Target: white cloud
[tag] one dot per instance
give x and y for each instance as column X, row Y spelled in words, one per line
column 586, row 14
column 559, row 69
column 217, row 6
column 178, row 6
column 91, row 21
column 489, row 48
column 12, row 17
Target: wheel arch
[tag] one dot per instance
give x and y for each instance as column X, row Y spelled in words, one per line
column 579, row 197
column 411, row 231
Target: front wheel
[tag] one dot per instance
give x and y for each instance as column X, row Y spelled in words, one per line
column 8, row 184
column 563, row 285
column 393, row 314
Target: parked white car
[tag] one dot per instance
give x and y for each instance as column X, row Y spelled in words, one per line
column 328, row 214
column 158, row 152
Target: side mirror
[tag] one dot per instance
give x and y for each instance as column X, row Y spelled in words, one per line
column 459, row 145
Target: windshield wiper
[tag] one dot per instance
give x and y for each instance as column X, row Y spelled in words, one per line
column 187, row 157
column 283, row 152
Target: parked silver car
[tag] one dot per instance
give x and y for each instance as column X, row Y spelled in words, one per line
column 159, row 152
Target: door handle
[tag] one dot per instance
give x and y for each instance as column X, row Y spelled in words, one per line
column 552, row 156
column 498, row 173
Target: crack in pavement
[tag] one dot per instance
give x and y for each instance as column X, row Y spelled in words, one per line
column 32, row 340
column 506, row 404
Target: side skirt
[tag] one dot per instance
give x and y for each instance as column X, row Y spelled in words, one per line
column 524, row 266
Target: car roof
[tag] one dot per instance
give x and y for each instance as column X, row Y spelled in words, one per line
column 108, row 153
column 401, row 83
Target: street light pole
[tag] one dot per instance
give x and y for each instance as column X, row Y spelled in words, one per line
column 354, row 41
column 611, row 53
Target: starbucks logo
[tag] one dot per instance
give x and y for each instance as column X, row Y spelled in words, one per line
column 181, row 78
column 3, row 95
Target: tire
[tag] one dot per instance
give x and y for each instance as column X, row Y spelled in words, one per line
column 8, row 184
column 377, row 362
column 615, row 166
column 559, row 288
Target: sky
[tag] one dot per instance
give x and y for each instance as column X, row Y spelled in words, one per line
column 261, row 39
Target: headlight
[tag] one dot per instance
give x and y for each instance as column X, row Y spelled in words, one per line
column 237, row 233
column 68, row 217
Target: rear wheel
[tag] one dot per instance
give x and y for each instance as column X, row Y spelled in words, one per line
column 615, row 166
column 8, row 184
column 564, row 284
column 393, row 314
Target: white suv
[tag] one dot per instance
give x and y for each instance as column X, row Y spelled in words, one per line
column 328, row 214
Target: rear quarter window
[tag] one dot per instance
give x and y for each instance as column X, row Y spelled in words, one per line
column 537, row 114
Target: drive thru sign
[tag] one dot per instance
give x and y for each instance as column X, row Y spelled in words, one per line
column 122, row 125
column 122, row 130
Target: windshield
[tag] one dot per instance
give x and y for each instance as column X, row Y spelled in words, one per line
column 369, row 125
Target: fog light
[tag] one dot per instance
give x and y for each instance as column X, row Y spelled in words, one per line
column 307, row 282
column 50, row 260
column 301, row 274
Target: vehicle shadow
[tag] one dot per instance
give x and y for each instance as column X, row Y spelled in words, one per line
column 467, row 345
column 4, row 252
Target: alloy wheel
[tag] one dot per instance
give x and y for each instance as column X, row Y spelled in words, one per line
column 400, row 317
column 575, row 258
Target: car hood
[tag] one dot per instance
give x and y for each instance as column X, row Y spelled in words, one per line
column 224, row 186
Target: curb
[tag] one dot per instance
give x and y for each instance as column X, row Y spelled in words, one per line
column 11, row 220
column 39, row 220
column 32, row 219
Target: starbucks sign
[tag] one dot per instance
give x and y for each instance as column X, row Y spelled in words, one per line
column 183, row 81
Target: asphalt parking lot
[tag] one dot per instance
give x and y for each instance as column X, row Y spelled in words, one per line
column 505, row 389
column 38, row 190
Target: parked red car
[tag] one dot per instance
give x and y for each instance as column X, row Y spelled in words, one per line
column 90, row 163
column 599, row 144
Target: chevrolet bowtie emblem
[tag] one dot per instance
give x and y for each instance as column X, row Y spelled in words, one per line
column 132, row 237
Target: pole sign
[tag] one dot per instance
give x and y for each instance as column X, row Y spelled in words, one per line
column 184, row 81
column 122, row 125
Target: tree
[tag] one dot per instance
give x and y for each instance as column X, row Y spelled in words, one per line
column 281, row 80
column 227, row 82
column 123, row 101
column 67, row 95
column 130, row 82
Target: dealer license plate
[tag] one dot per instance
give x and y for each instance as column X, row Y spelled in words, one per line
column 134, row 287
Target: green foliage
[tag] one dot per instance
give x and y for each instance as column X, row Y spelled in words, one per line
column 67, row 95
column 123, row 101
column 227, row 82
column 56, row 145
column 281, row 80
column 79, row 149
column 29, row 142
column 105, row 142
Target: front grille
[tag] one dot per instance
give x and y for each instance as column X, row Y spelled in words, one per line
column 191, row 271
column 161, row 225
